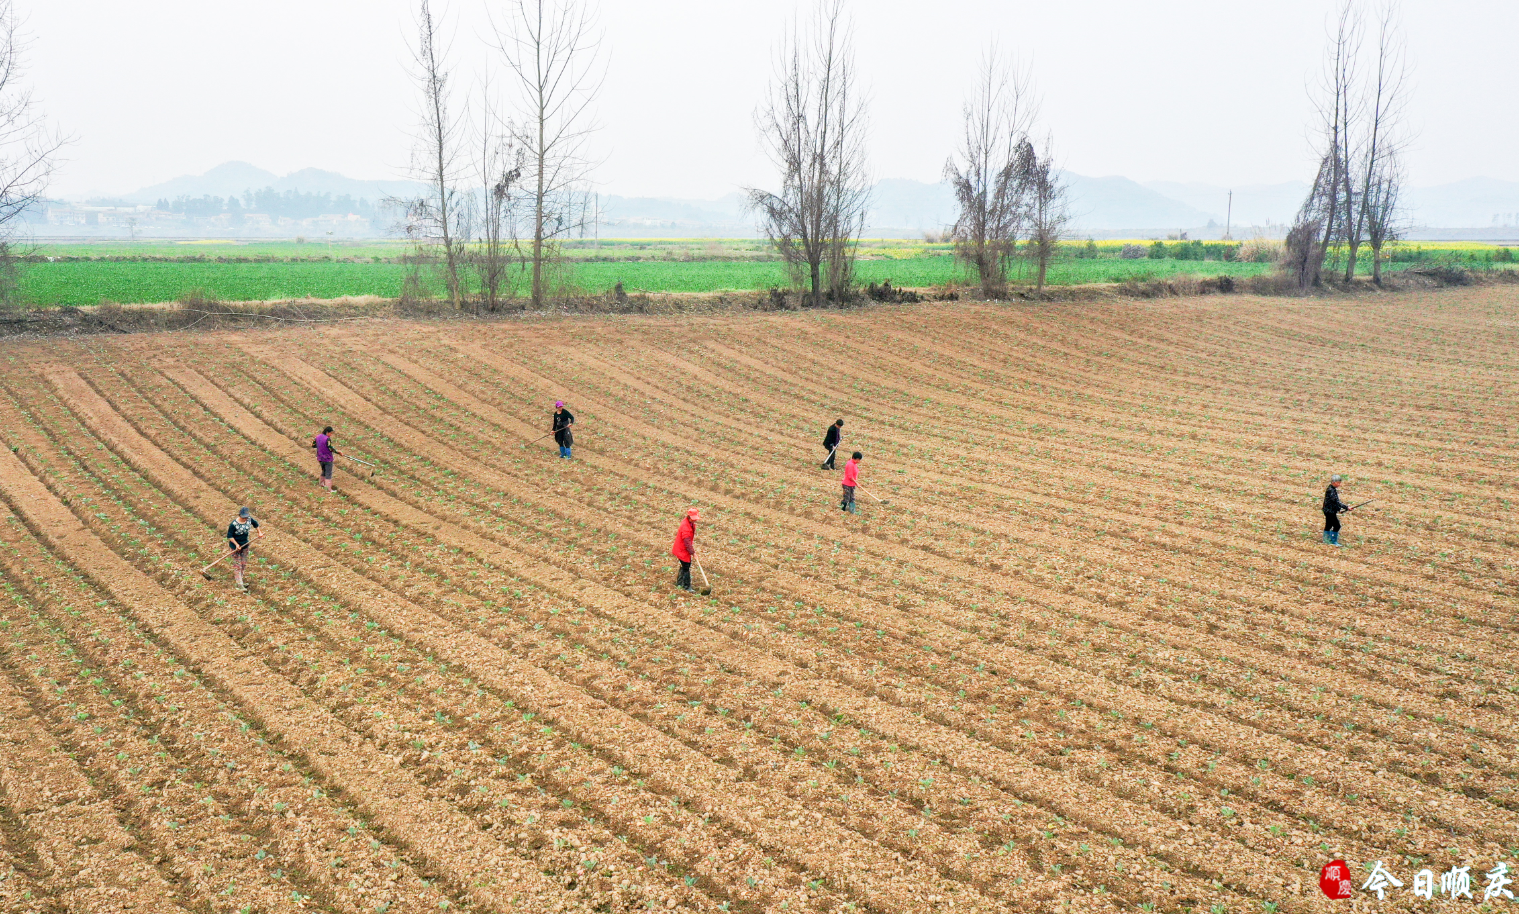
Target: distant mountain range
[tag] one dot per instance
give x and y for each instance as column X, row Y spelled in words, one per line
column 1110, row 206
column 233, row 179
column 1255, row 204
column 1475, row 202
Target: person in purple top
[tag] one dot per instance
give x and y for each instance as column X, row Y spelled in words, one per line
column 324, row 455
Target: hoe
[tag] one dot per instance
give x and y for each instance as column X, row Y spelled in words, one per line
column 206, row 571
column 358, row 461
column 706, row 590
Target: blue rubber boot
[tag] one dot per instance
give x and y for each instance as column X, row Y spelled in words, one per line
column 1334, row 538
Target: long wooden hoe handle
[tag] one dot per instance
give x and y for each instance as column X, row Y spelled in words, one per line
column 222, row 559
column 703, row 572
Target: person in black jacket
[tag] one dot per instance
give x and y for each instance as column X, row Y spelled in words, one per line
column 1333, row 508
column 564, row 420
column 831, row 441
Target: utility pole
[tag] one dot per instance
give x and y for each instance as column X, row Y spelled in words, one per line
column 1229, row 219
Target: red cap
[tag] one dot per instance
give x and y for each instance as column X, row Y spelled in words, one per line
column 693, row 514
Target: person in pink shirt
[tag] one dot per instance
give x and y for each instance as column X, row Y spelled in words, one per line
column 851, row 479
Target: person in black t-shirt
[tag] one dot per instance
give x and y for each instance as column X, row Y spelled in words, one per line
column 564, row 435
column 238, row 540
column 831, row 441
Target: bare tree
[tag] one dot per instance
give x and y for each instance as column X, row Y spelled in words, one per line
column 1048, row 212
column 814, row 124
column 1331, row 204
column 498, row 167
column 28, row 148
column 1384, row 207
column 1381, row 168
column 1305, row 247
column 991, row 176
column 435, row 159
column 553, row 48
column 1356, row 193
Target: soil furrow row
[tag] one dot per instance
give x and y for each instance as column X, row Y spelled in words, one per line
column 438, row 833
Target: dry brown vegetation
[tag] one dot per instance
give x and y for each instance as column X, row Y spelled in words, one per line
column 1092, row 656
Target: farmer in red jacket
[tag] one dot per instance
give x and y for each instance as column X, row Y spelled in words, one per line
column 851, row 479
column 685, row 548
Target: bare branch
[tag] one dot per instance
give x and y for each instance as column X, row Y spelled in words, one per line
column 499, row 166
column 438, row 216
column 814, row 127
column 553, row 49
column 28, row 147
column 1382, row 172
column 991, row 174
column 1328, row 219
column 1048, row 212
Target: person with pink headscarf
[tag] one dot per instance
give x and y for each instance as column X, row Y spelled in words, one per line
column 563, row 436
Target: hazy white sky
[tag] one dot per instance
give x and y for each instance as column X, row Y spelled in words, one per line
column 1181, row 90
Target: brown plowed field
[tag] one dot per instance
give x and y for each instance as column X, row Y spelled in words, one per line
column 1089, row 654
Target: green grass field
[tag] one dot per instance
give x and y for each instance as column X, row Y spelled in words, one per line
column 92, row 282
column 91, row 273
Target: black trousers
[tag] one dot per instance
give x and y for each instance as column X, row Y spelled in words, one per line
column 832, row 453
column 684, row 578
column 1331, row 522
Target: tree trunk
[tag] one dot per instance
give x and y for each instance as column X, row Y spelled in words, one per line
column 448, row 241
column 1352, row 252
column 538, row 221
column 1354, row 226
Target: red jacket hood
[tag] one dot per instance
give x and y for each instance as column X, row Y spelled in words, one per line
column 685, row 541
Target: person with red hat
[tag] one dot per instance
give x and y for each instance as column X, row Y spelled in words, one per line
column 685, row 547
